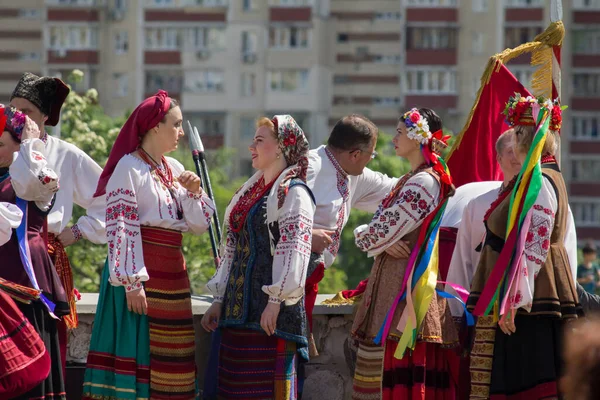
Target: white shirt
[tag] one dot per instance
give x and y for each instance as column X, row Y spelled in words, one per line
column 463, row 195
column 135, row 197
column 79, row 176
column 10, row 218
column 330, row 184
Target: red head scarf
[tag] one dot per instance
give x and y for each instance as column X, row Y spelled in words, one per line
column 145, row 117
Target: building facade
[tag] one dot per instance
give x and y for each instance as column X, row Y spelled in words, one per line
column 230, row 61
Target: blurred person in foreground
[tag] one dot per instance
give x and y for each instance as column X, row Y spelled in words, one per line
column 581, row 356
column 588, row 272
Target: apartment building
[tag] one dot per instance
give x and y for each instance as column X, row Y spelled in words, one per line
column 229, row 61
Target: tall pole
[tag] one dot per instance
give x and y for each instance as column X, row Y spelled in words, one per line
column 556, row 14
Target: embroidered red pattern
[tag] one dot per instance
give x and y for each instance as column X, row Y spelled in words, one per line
column 238, row 214
column 344, row 191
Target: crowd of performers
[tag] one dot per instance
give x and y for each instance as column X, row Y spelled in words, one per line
column 475, row 314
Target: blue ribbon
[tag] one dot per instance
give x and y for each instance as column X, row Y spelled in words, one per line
column 468, row 315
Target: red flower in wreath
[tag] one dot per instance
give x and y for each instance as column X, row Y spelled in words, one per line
column 414, row 117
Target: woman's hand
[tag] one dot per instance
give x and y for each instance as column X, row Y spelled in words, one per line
column 399, row 250
column 268, row 319
column 136, row 301
column 507, row 322
column 67, row 237
column 210, row 320
column 190, row 181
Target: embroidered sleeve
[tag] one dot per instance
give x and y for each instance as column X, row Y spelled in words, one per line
column 91, row 225
column 218, row 282
column 30, row 175
column 125, row 257
column 10, row 218
column 371, row 188
column 414, row 202
column 536, row 246
column 292, row 252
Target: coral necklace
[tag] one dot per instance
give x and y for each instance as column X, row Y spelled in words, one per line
column 165, row 176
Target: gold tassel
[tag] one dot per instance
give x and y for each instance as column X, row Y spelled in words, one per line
column 541, row 49
column 339, row 300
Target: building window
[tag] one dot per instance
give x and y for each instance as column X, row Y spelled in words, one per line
column 387, row 59
column 121, row 85
column 30, row 13
column 586, row 127
column 388, row 16
column 586, row 84
column 162, row 38
column 121, row 42
column 289, row 37
column 288, row 81
column 291, row 3
column 248, row 5
column 207, row 124
column 586, row 41
column 586, row 4
column 207, row 38
column 162, row 3
column 424, row 81
column 431, row 3
column 479, row 6
column 167, row 80
column 208, row 3
column 523, row 74
column 516, row 36
column 342, row 37
column 248, row 81
column 78, row 3
column 73, row 38
column 477, row 43
column 249, row 47
column 431, row 38
column 386, row 101
column 204, row 81
column 89, row 79
column 585, row 170
column 30, row 56
column 523, row 3
column 247, row 129
column 586, row 213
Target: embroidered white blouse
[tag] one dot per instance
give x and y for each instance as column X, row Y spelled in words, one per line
column 135, row 197
column 334, row 201
column 418, row 197
column 291, row 254
column 10, row 218
column 30, row 175
column 78, row 179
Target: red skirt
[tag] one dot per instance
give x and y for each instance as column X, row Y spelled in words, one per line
column 24, row 361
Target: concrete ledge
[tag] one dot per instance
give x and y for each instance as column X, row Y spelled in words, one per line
column 89, row 302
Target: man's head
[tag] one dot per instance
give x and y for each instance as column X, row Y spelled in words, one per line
column 589, row 253
column 353, row 140
column 505, row 154
column 40, row 98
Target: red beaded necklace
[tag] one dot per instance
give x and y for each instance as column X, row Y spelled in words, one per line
column 165, row 175
column 238, row 214
column 548, row 159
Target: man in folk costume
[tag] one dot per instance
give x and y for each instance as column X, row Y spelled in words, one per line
column 41, row 98
column 343, row 160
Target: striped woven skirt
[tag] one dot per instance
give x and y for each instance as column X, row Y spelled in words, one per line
column 253, row 365
column 422, row 374
column 146, row 357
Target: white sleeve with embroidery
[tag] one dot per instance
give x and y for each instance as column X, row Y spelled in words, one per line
column 125, row 256
column 218, row 283
column 91, row 225
column 10, row 218
column 371, row 188
column 418, row 197
column 537, row 245
column 31, row 178
column 292, row 253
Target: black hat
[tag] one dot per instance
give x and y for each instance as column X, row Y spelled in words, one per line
column 46, row 93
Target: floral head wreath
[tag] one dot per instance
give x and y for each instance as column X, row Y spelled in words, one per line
column 418, row 129
column 519, row 110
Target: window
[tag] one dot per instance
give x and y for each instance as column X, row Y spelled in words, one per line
column 121, row 85
column 73, row 37
column 586, row 127
column 208, row 3
column 388, row 16
column 167, row 80
column 586, row 41
column 88, row 81
column 387, row 59
column 162, row 3
column 248, row 5
column 248, row 84
column 585, row 170
column 121, row 42
column 523, row 75
column 204, row 81
column 479, row 6
column 247, row 129
column 208, row 38
column 585, row 213
column 342, row 37
column 431, row 3
column 431, row 38
column 208, row 124
column 477, row 43
column 30, row 13
column 586, row 4
column 249, row 46
column 288, row 81
column 30, row 56
column 516, row 36
column 586, row 84
column 523, row 3
column 289, row 37
column 71, row 2
column 291, row 3
column 431, row 81
column 162, row 38
column 386, row 101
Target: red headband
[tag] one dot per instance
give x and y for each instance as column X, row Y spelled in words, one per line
column 145, row 117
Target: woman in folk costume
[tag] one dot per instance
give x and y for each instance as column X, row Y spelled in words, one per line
column 258, row 287
column 143, row 338
column 27, row 182
column 525, row 275
column 389, row 324
column 24, row 361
